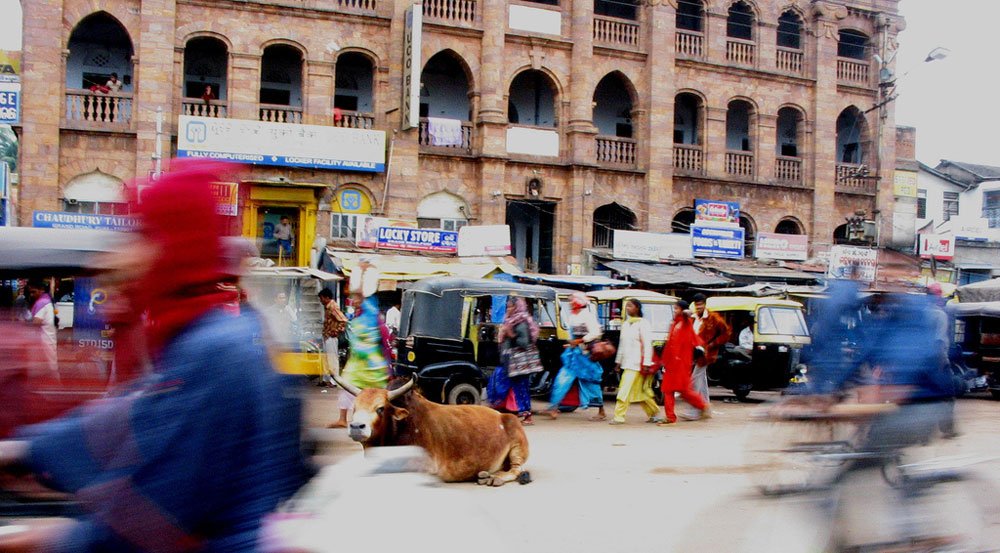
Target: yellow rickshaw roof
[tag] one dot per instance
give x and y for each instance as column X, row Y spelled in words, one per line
column 747, row 303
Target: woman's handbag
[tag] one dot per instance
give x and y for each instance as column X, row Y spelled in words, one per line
column 601, row 349
column 521, row 361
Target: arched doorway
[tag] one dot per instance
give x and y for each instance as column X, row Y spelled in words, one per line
column 749, row 234
column 354, row 93
column 613, row 106
column 609, row 218
column 281, row 84
column 206, row 77
column 96, row 192
column 682, row 221
column 532, row 100
column 789, row 226
column 99, row 72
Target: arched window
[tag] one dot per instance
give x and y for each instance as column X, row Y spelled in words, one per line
column 609, row 218
column 691, row 15
column 682, row 221
column 95, row 192
column 738, row 126
column 622, row 9
column 99, row 48
column 445, row 88
column 350, row 203
column 613, row 106
column 442, row 210
column 532, row 100
column 851, row 135
column 788, row 129
column 840, row 235
column 852, row 44
column 354, row 95
column 281, row 84
column 206, row 70
column 788, row 226
column 749, row 234
column 740, row 22
column 688, row 109
column 790, row 30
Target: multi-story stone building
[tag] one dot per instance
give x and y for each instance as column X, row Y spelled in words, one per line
column 563, row 118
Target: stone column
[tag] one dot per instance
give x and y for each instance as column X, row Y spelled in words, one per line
column 715, row 141
column 580, row 131
column 715, row 33
column 767, row 45
column 766, row 146
column 319, row 93
column 824, row 144
column 657, row 100
column 42, row 84
column 154, row 76
column 404, row 170
column 244, row 86
column 491, row 121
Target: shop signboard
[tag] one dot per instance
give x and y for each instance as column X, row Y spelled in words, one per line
column 281, row 144
column 476, row 240
column 904, row 184
column 90, row 326
column 650, row 246
column 417, row 239
column 412, row 66
column 716, row 213
column 66, row 220
column 938, row 246
column 853, row 262
column 226, row 197
column 366, row 233
column 10, row 103
column 782, row 246
column 10, row 66
column 726, row 242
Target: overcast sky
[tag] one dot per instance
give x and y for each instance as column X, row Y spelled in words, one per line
column 952, row 102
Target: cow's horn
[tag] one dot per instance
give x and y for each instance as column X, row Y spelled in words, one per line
column 393, row 394
column 347, row 386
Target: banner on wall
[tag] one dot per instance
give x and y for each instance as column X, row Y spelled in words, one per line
column 716, row 213
column 366, row 232
column 725, row 242
column 782, row 246
column 650, row 246
column 853, row 263
column 938, row 246
column 66, row 220
column 90, row 327
column 226, row 197
column 483, row 240
column 419, row 240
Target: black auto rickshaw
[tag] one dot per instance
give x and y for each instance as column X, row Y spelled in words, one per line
column 976, row 345
column 448, row 334
column 773, row 361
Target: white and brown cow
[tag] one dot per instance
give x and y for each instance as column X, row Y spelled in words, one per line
column 464, row 442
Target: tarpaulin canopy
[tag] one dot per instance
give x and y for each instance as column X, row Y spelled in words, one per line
column 394, row 268
column 987, row 290
column 661, row 274
column 752, row 273
column 584, row 281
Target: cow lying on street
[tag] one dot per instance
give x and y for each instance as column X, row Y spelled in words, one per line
column 464, row 442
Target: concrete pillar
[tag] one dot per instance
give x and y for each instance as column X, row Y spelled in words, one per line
column 319, row 92
column 156, row 84
column 715, row 140
column 580, row 131
column 767, row 45
column 404, row 170
column 244, row 86
column 657, row 99
column 43, row 82
column 491, row 121
column 824, row 137
column 715, row 33
column 766, row 145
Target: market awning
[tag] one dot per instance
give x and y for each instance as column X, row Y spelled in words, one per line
column 398, row 267
column 661, row 274
column 590, row 281
column 753, row 273
column 987, row 290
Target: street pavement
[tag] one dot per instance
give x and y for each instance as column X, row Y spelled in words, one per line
column 639, row 487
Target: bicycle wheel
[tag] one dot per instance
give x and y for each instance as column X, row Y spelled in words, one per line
column 789, row 457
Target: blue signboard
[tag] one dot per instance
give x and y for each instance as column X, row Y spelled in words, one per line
column 64, row 220
column 717, row 242
column 715, row 212
column 417, row 239
column 90, row 328
column 10, row 103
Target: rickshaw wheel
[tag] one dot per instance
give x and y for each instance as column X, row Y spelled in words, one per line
column 742, row 391
column 464, row 394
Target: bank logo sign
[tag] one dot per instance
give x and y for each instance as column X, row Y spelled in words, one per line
column 281, row 144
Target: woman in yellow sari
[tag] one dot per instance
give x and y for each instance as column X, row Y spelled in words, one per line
column 636, row 365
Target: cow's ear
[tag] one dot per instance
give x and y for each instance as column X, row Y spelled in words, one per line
column 399, row 413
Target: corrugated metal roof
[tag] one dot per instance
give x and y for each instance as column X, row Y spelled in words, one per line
column 661, row 274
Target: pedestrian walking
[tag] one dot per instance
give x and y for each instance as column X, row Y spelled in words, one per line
column 509, row 386
column 636, row 365
column 677, row 358
column 713, row 331
column 334, row 325
column 42, row 314
column 577, row 367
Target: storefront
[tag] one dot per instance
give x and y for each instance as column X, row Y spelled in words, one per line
column 267, row 209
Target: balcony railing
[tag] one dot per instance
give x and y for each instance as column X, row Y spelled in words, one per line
column 689, row 158
column 431, row 143
column 853, row 179
column 616, row 32
column 462, row 12
column 689, row 44
column 96, row 110
column 852, row 72
column 274, row 113
column 200, row 108
column 357, row 5
column 740, row 52
column 788, row 169
column 739, row 164
column 789, row 60
column 615, row 150
column 353, row 119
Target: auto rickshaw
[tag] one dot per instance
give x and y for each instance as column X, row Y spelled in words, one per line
column 779, row 334
column 657, row 308
column 976, row 345
column 448, row 334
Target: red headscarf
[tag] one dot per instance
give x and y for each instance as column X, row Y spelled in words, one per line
column 179, row 215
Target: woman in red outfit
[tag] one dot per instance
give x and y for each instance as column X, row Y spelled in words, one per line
column 677, row 359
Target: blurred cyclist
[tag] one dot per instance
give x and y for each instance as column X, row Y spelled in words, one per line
column 209, row 443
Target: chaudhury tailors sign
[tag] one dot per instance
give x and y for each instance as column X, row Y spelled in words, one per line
column 281, row 144
column 417, row 239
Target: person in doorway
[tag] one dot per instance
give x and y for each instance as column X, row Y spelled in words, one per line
column 577, row 367
column 677, row 358
column 208, row 95
column 42, row 315
column 113, row 84
column 713, row 332
column 392, row 319
column 334, row 326
column 509, row 385
column 284, row 235
column 636, row 365
column 203, row 448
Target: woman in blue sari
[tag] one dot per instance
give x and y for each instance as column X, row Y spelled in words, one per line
column 577, row 367
column 519, row 360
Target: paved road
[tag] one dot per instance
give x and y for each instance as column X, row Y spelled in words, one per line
column 640, row 487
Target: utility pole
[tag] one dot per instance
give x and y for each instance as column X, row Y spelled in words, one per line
column 158, row 154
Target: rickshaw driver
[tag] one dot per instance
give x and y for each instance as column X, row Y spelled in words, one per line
column 744, row 345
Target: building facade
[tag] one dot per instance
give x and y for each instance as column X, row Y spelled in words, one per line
column 565, row 119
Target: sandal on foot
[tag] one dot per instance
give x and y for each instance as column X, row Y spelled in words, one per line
column 655, row 420
column 666, row 423
column 616, row 423
column 599, row 418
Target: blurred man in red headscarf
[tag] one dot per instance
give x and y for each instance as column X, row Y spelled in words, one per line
column 209, row 442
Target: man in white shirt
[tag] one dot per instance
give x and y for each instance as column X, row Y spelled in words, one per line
column 392, row 318
column 43, row 315
column 745, row 345
column 284, row 234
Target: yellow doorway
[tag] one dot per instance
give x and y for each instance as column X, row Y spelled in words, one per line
column 273, row 211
